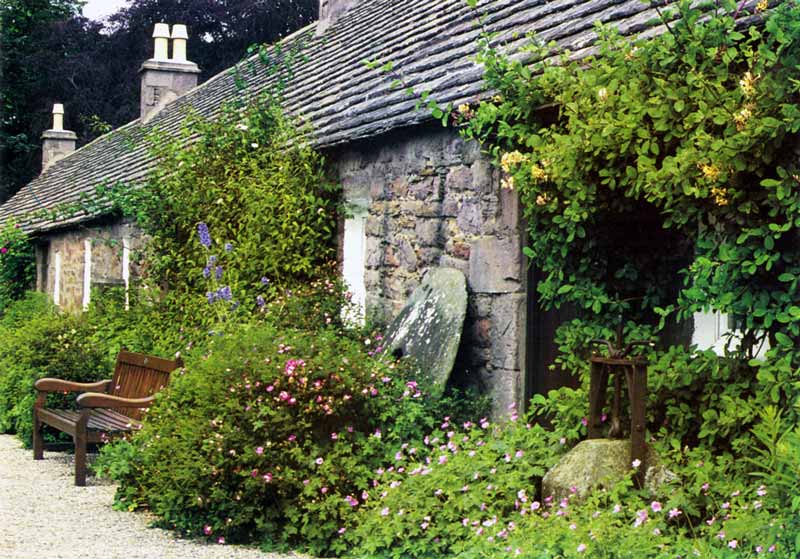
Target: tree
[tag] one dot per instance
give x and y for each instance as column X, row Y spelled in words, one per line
column 94, row 70
column 20, row 22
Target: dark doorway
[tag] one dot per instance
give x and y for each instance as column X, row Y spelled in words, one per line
column 540, row 344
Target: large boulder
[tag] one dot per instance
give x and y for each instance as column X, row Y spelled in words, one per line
column 428, row 329
column 599, row 463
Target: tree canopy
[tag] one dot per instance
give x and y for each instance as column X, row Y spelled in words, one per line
column 51, row 53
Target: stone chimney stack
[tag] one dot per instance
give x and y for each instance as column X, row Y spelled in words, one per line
column 165, row 79
column 329, row 12
column 57, row 143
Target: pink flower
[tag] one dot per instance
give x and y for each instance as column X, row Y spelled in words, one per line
column 3, row 250
column 656, row 506
column 221, row 541
column 207, row 530
column 319, row 461
column 733, row 544
column 260, row 450
column 334, row 436
column 581, row 548
column 385, row 511
column 673, row 513
column 323, row 490
column 636, row 463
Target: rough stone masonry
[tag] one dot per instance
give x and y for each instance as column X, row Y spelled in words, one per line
column 435, row 200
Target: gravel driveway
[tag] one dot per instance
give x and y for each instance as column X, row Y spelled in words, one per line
column 44, row 516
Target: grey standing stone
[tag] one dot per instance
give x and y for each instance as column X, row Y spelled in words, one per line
column 428, row 329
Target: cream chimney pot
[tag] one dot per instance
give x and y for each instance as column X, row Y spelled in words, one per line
column 165, row 79
column 57, row 143
column 179, row 37
column 58, row 117
column 161, row 36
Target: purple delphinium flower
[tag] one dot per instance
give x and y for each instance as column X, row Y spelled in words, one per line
column 206, row 272
column 211, row 297
column 218, row 272
column 212, row 260
column 260, row 301
column 224, row 293
column 228, row 247
column 205, row 236
column 265, row 280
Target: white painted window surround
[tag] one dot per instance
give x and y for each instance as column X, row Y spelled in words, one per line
column 87, row 273
column 354, row 264
column 57, row 279
column 126, row 269
column 712, row 330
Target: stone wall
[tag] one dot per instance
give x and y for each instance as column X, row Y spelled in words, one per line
column 435, row 200
column 106, row 257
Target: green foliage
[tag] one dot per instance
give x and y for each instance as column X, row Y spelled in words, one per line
column 432, row 500
column 269, row 435
column 686, row 140
column 39, row 342
column 252, row 178
column 17, row 264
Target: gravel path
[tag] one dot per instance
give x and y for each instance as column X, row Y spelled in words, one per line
column 44, row 516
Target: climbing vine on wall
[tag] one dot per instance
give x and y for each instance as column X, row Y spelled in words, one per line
column 695, row 132
column 17, row 264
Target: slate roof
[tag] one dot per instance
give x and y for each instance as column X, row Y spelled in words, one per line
column 430, row 41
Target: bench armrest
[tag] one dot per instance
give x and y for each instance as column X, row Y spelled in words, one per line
column 95, row 400
column 58, row 385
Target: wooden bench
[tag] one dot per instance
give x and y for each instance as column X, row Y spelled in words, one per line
column 107, row 408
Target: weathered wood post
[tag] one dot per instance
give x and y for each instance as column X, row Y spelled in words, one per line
column 634, row 371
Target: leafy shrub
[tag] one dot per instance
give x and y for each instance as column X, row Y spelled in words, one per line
column 17, row 264
column 40, row 342
column 251, row 178
column 461, row 479
column 271, row 435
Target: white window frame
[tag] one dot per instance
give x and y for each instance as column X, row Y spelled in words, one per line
column 126, row 269
column 712, row 331
column 87, row 273
column 57, row 279
column 354, row 262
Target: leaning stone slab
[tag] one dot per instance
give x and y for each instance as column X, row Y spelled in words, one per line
column 428, row 329
column 599, row 463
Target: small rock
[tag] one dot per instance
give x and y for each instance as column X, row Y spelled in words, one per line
column 601, row 463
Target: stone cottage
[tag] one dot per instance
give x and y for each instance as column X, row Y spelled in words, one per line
column 423, row 197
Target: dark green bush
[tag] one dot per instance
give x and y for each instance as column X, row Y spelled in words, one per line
column 40, row 342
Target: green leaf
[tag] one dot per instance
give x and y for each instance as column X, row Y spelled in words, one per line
column 783, row 340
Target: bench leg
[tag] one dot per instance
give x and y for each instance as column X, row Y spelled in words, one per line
column 80, row 449
column 38, row 443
